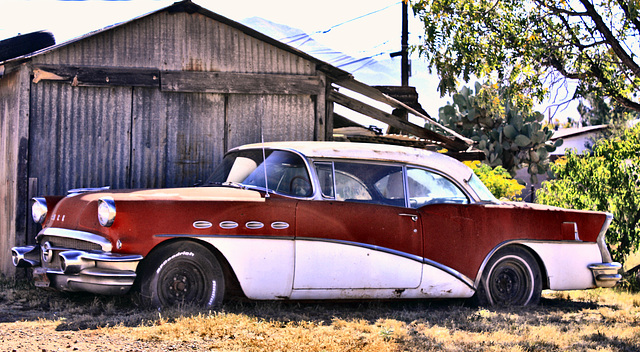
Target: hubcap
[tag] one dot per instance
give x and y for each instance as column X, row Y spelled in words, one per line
column 510, row 283
column 184, row 283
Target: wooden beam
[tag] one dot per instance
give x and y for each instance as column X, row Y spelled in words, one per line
column 392, row 120
column 377, row 95
column 97, row 76
column 241, row 83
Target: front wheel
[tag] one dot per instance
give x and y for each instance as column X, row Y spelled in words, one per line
column 511, row 278
column 182, row 273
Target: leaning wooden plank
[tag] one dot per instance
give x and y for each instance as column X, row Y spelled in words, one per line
column 241, row 83
column 97, row 76
column 375, row 94
column 394, row 121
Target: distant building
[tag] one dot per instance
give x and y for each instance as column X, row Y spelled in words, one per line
column 578, row 138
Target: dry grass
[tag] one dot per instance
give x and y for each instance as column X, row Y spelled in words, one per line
column 596, row 320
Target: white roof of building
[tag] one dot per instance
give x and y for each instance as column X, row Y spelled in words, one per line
column 574, row 131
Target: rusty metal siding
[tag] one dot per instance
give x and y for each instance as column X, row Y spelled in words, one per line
column 178, row 138
column 279, row 117
column 180, row 41
column 79, row 137
column 14, row 122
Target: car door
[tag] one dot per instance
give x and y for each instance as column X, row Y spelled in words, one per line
column 362, row 236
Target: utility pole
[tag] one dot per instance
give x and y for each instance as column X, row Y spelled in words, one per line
column 404, row 66
column 404, row 91
column 405, row 69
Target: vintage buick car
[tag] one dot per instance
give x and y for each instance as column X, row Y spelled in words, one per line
column 318, row 220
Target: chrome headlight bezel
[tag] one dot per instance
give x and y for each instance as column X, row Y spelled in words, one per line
column 106, row 211
column 39, row 209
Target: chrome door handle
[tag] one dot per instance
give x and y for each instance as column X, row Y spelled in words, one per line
column 413, row 217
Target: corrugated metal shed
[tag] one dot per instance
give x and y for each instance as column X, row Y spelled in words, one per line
column 155, row 102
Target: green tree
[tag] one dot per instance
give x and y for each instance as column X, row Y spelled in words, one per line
column 504, row 127
column 530, row 45
column 606, row 179
column 598, row 111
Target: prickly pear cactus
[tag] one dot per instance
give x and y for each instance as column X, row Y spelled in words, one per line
column 509, row 133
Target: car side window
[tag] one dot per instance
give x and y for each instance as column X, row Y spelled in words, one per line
column 325, row 176
column 426, row 187
column 361, row 182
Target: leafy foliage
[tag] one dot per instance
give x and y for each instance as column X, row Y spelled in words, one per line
column 505, row 128
column 497, row 180
column 598, row 111
column 607, row 179
column 530, row 45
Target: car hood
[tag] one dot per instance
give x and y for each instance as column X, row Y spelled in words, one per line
column 80, row 211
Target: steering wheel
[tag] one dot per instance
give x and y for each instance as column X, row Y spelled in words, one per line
column 302, row 188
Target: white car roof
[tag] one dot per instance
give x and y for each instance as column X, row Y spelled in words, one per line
column 372, row 151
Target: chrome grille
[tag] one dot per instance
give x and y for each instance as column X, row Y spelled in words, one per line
column 70, row 243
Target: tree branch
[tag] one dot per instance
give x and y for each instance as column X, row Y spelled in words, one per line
column 602, row 27
column 632, row 19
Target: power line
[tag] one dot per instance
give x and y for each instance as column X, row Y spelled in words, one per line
column 359, row 17
column 296, row 37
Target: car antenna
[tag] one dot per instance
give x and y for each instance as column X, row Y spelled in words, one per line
column 264, row 157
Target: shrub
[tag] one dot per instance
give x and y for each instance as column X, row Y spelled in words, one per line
column 498, row 180
column 607, row 179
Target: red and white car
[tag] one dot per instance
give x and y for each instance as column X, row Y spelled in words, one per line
column 322, row 220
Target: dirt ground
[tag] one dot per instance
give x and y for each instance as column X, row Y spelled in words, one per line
column 38, row 320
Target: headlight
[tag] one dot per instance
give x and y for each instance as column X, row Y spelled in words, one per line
column 106, row 211
column 38, row 209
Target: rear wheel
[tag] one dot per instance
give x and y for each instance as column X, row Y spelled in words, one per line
column 511, row 278
column 182, row 273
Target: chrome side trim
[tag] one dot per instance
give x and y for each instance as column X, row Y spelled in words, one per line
column 279, row 225
column 227, row 225
column 254, row 225
column 258, row 237
column 201, row 224
column 78, row 235
column 467, row 281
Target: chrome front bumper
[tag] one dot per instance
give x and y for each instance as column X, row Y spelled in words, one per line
column 606, row 274
column 78, row 270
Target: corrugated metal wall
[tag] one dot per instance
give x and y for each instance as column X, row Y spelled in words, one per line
column 177, row 137
column 180, row 42
column 80, row 137
column 14, row 134
column 277, row 115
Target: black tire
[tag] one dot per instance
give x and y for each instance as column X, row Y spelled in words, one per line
column 183, row 273
column 511, row 278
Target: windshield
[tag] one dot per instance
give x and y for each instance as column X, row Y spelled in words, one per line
column 481, row 190
column 286, row 172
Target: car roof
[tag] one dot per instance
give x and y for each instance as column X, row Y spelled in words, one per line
column 371, row 151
